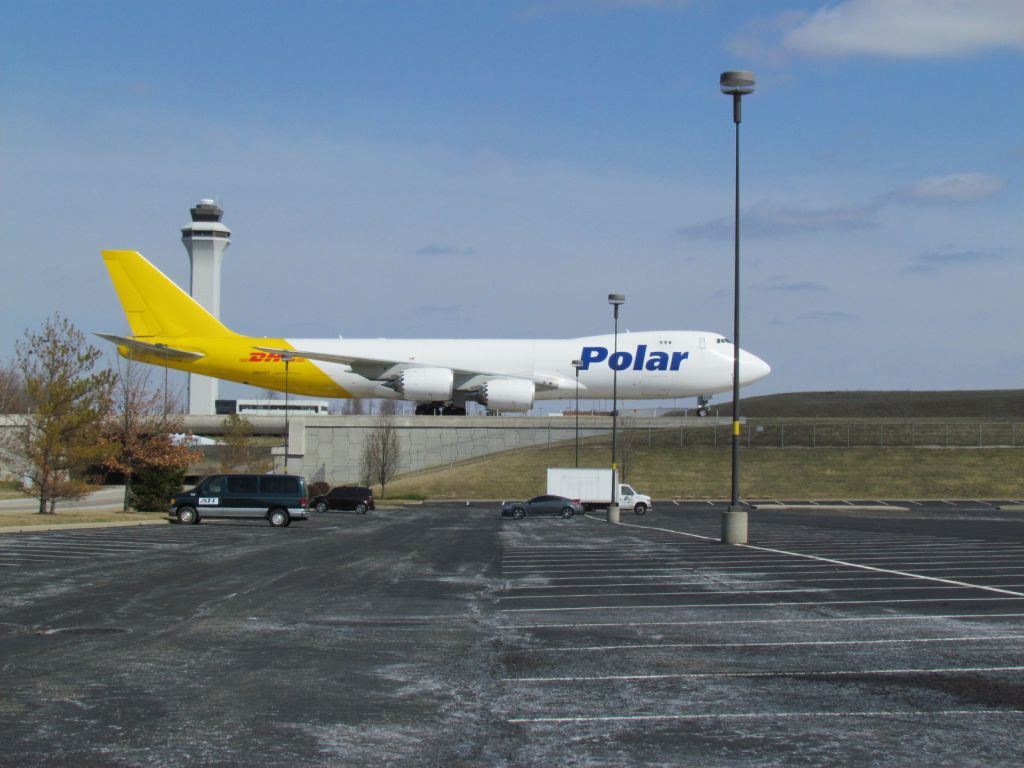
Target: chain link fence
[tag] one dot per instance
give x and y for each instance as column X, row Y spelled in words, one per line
column 850, row 433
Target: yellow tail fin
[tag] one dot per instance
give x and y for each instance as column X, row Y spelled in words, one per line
column 155, row 306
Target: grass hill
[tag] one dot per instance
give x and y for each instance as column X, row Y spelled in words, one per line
column 975, row 404
column 664, row 468
column 696, row 473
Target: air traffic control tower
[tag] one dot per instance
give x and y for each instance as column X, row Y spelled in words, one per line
column 205, row 239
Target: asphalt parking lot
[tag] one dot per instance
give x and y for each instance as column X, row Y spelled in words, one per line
column 444, row 635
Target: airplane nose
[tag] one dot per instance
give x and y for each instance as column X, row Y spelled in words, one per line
column 752, row 368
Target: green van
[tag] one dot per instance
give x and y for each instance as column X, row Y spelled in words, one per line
column 278, row 499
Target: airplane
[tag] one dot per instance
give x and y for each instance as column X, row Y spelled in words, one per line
column 169, row 328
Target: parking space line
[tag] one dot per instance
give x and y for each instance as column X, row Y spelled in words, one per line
column 691, row 565
column 716, row 622
column 911, row 560
column 794, row 571
column 902, row 545
column 777, row 674
column 781, row 644
column 631, row 572
column 739, row 587
column 738, row 592
column 665, row 553
column 888, row 714
column 80, row 549
column 721, row 606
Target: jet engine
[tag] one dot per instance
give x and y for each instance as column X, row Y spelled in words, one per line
column 507, row 395
column 425, row 384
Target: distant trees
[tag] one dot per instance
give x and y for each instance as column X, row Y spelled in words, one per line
column 66, row 402
column 354, row 407
column 380, row 453
column 362, row 406
column 140, row 432
column 13, row 397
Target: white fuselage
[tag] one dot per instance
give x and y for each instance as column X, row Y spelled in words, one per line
column 649, row 364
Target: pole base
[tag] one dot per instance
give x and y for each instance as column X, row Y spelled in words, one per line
column 613, row 513
column 734, row 526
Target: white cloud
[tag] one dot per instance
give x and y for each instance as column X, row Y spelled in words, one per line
column 442, row 249
column 773, row 220
column 954, row 188
column 927, row 263
column 909, row 28
column 817, row 318
column 766, row 220
column 794, row 286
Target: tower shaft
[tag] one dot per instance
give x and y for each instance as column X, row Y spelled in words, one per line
column 205, row 239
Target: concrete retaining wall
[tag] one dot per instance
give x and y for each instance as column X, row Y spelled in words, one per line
column 330, row 448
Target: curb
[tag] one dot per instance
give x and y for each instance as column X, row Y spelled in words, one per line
column 833, row 507
column 78, row 526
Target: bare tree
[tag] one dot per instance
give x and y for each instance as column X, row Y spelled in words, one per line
column 67, row 402
column 240, row 446
column 13, row 397
column 354, row 407
column 140, row 431
column 626, row 449
column 380, row 453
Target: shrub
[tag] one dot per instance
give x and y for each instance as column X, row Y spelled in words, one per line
column 153, row 488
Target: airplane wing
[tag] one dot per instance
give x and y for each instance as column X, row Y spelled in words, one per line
column 377, row 369
column 161, row 350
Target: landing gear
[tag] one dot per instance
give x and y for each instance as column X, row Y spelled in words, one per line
column 440, row 409
column 702, row 405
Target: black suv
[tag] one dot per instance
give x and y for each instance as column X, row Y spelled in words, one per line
column 344, row 497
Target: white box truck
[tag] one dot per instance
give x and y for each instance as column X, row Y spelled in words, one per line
column 593, row 488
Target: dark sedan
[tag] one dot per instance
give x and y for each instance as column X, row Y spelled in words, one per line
column 542, row 505
column 344, row 497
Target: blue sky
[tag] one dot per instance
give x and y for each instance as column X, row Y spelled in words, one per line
column 496, row 169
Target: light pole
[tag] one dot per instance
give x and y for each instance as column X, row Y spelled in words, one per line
column 577, row 364
column 287, row 433
column 734, row 521
column 616, row 300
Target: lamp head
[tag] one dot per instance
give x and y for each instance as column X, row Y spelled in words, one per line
column 577, row 364
column 737, row 82
column 616, row 298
